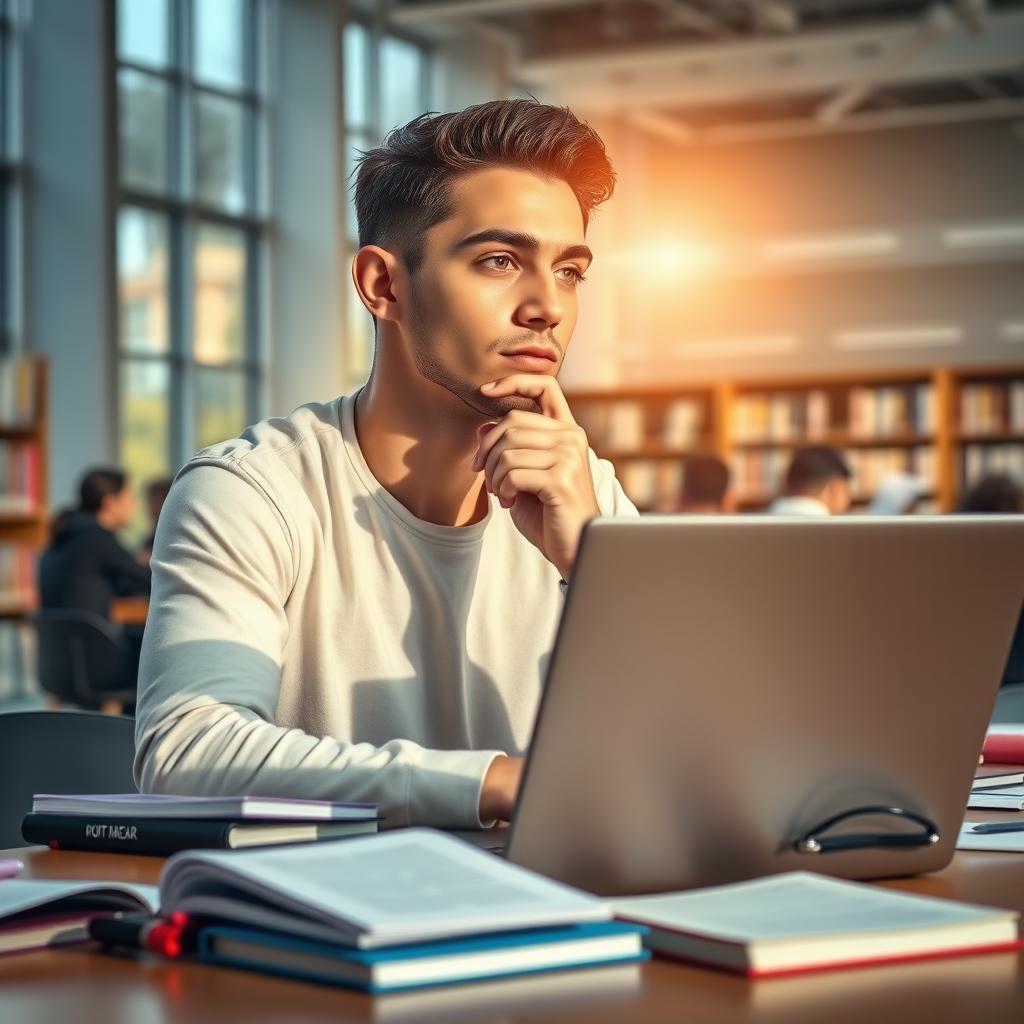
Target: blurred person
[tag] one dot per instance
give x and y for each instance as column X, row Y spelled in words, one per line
column 898, row 494
column 817, row 483
column 706, row 480
column 156, row 494
column 358, row 601
column 993, row 494
column 85, row 566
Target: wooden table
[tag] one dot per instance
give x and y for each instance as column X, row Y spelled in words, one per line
column 80, row 984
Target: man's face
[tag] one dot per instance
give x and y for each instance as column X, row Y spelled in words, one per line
column 496, row 291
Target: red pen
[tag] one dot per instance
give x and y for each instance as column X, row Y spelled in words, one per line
column 140, row 931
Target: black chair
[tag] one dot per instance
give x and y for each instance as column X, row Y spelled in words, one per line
column 82, row 659
column 60, row 752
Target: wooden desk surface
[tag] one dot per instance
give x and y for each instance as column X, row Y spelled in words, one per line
column 81, row 984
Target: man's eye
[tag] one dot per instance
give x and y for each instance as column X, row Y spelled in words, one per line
column 497, row 262
column 571, row 275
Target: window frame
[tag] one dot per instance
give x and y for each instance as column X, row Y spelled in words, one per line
column 184, row 214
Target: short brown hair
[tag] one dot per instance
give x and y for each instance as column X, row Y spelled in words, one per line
column 404, row 186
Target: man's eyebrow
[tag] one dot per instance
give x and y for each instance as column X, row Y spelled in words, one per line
column 519, row 240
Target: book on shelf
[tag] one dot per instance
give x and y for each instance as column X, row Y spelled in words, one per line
column 1004, row 744
column 992, row 407
column 17, row 575
column 18, row 389
column 625, row 430
column 41, row 912
column 683, row 424
column 981, row 459
column 781, row 416
column 891, row 410
column 798, row 922
column 19, row 478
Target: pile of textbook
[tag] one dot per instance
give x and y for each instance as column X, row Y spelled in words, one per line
column 382, row 913
column 161, row 825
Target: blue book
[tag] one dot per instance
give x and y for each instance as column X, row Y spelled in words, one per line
column 444, row 962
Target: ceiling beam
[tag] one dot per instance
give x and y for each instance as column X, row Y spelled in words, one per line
column 457, row 10
column 681, row 75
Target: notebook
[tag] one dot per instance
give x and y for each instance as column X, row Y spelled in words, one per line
column 40, row 912
column 163, row 836
column 1002, row 798
column 424, row 964
column 996, row 780
column 413, row 885
column 798, row 921
column 149, row 805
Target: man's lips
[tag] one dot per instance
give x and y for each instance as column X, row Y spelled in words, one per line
column 532, row 357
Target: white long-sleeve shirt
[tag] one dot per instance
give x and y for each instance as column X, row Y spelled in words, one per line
column 309, row 637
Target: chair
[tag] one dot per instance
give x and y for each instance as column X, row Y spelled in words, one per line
column 82, row 660
column 60, row 752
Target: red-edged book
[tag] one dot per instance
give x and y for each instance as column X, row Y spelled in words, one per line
column 800, row 922
column 1004, row 744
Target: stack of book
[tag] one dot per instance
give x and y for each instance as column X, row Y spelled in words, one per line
column 160, row 825
column 382, row 913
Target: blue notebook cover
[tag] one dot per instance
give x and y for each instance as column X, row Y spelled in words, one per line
column 277, row 953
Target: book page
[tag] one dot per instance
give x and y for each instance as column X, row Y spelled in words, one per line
column 413, row 883
column 793, row 905
column 18, row 895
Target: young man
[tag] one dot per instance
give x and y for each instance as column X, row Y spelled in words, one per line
column 358, row 602
column 817, row 484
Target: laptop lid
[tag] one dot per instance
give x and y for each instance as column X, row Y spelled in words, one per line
column 721, row 686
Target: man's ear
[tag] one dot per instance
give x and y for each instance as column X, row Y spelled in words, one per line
column 374, row 273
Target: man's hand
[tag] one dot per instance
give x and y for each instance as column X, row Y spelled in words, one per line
column 501, row 784
column 537, row 465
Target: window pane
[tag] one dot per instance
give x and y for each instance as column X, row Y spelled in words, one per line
column 220, row 405
column 356, row 146
column 143, row 127
column 220, row 262
column 219, row 42
column 358, row 341
column 401, row 79
column 357, row 99
column 142, row 31
column 145, row 418
column 219, row 133
column 142, row 280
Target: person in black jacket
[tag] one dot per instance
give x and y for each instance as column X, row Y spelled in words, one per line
column 86, row 566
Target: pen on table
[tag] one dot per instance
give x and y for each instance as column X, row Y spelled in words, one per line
column 140, row 931
column 10, row 868
column 992, row 827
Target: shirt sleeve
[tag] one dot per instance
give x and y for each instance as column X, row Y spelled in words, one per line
column 611, row 498
column 210, row 673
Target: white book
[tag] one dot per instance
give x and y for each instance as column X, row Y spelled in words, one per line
column 141, row 805
column 406, row 886
column 1002, row 798
column 801, row 921
column 1001, row 842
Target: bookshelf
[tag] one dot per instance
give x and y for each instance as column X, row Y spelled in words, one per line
column 944, row 424
column 24, row 506
column 987, row 422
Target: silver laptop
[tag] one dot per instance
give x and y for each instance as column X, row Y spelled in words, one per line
column 722, row 689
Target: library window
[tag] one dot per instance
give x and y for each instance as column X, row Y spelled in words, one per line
column 191, row 227
column 386, row 84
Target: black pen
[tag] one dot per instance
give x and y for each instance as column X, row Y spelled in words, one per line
column 140, row 931
column 991, row 827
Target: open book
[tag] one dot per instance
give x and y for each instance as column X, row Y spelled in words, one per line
column 38, row 912
column 407, row 886
column 795, row 922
